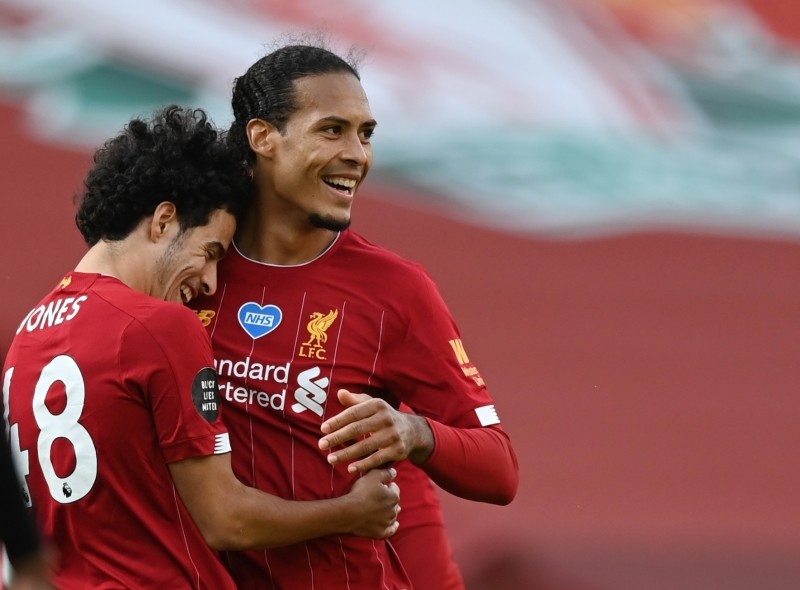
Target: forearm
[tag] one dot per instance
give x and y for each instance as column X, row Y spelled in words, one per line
column 260, row 520
column 473, row 463
column 233, row 516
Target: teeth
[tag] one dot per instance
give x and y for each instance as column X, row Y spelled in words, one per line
column 186, row 293
column 347, row 183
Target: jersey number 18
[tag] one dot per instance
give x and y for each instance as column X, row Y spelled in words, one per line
column 75, row 485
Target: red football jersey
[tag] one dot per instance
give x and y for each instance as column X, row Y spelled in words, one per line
column 103, row 386
column 286, row 338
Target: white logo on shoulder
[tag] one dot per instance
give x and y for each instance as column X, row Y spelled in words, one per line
column 487, row 415
column 310, row 394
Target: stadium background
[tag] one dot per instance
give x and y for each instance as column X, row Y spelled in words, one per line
column 608, row 194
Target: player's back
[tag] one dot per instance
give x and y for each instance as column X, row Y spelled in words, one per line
column 86, row 384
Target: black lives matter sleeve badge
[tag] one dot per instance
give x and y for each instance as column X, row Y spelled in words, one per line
column 205, row 394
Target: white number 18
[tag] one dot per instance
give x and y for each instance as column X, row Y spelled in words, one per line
column 77, row 484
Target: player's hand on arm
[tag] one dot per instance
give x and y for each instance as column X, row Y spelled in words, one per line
column 379, row 434
column 232, row 516
column 472, row 463
column 378, row 497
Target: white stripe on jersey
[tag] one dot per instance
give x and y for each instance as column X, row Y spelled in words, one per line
column 487, row 415
column 222, row 444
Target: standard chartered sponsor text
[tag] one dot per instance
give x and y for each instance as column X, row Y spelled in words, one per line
column 259, row 377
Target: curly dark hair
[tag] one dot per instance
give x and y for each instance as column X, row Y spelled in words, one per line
column 177, row 156
column 266, row 90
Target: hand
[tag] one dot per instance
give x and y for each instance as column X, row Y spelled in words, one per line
column 377, row 498
column 380, row 434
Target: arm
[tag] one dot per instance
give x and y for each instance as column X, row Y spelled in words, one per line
column 232, row 516
column 193, row 441
column 485, row 454
column 472, row 463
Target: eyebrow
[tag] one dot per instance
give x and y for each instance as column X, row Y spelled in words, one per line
column 343, row 121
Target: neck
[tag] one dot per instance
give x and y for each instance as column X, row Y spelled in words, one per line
column 274, row 239
column 118, row 260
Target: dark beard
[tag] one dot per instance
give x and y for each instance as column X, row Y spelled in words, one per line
column 328, row 222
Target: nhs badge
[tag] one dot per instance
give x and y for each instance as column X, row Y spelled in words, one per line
column 258, row 320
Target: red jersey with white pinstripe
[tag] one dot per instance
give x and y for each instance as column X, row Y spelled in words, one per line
column 286, row 338
column 103, row 386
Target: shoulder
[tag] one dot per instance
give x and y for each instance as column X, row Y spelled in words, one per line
column 164, row 330
column 146, row 310
column 369, row 255
column 393, row 282
column 116, row 306
column 161, row 320
column 169, row 321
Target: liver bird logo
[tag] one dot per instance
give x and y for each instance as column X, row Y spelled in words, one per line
column 318, row 326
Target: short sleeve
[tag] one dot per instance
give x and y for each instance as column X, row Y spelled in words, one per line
column 168, row 356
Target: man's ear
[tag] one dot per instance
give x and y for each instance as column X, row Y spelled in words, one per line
column 261, row 136
column 164, row 217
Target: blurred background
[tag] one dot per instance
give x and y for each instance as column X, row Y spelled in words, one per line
column 606, row 191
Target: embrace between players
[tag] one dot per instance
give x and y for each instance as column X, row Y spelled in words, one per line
column 341, row 387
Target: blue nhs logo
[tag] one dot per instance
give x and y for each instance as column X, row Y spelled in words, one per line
column 259, row 319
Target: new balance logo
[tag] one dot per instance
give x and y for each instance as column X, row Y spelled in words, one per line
column 205, row 316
